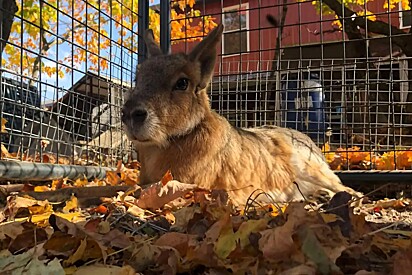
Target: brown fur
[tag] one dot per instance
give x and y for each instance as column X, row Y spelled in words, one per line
column 183, row 134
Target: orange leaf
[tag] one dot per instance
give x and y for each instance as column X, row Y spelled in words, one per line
column 166, row 177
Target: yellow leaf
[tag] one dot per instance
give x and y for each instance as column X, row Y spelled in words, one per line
column 72, row 216
column 77, row 255
column 40, row 209
column 328, row 218
column 3, row 125
column 72, row 204
column 81, row 182
column 41, row 188
column 41, row 218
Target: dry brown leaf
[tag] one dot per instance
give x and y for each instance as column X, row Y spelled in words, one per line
column 136, row 211
column 10, row 229
column 27, row 239
column 77, row 255
column 157, row 195
column 113, row 178
column 115, row 238
column 300, row 269
column 402, row 262
column 179, row 241
column 100, row 269
column 184, row 216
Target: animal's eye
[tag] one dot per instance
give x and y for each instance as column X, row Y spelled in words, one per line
column 181, row 84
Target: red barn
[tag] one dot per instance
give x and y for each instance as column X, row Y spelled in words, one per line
column 253, row 41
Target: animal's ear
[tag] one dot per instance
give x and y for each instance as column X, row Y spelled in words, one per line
column 205, row 54
column 153, row 48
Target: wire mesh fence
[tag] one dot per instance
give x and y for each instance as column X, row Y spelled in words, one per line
column 65, row 68
column 337, row 70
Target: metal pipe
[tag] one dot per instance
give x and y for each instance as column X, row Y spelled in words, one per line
column 16, row 170
column 375, row 176
column 142, row 26
column 165, row 41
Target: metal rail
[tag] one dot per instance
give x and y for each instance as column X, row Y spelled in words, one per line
column 13, row 170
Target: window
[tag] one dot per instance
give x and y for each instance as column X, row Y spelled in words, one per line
column 236, row 35
column 405, row 17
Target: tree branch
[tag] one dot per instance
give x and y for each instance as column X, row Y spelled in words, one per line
column 7, row 10
column 348, row 17
column 274, row 22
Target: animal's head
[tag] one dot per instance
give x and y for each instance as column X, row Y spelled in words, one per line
column 170, row 97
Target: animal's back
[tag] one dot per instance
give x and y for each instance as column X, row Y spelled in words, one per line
column 310, row 170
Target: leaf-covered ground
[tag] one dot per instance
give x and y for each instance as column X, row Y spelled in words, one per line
column 174, row 228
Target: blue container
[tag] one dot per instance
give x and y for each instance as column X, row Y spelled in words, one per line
column 303, row 104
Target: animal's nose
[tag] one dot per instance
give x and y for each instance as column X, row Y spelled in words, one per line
column 138, row 115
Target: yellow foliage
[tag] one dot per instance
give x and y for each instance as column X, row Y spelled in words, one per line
column 398, row 159
column 91, row 44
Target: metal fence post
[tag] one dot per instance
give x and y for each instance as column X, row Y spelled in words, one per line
column 165, row 26
column 143, row 25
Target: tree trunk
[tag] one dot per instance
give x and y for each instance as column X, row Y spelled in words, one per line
column 7, row 10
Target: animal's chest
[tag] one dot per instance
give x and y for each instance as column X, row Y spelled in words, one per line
column 189, row 168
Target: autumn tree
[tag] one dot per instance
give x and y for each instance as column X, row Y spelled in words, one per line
column 355, row 19
column 88, row 29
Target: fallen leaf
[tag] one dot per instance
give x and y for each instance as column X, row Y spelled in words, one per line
column 226, row 242
column 72, row 204
column 103, row 227
column 21, row 263
column 315, row 252
column 157, row 195
column 248, row 227
column 99, row 269
column 300, row 269
column 166, row 177
column 77, row 255
column 81, row 182
column 184, row 216
column 402, row 262
column 29, row 238
column 10, row 229
column 113, row 178
column 3, row 125
column 143, row 255
column 41, row 188
column 277, row 243
column 179, row 241
column 116, row 238
column 136, row 211
column 62, row 244
column 330, row 218
column 4, row 152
